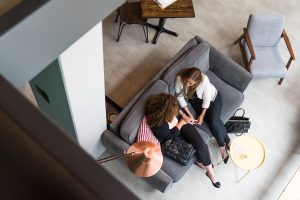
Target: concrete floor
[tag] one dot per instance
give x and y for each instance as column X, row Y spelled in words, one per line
column 274, row 110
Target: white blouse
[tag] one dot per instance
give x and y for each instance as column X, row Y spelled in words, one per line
column 205, row 91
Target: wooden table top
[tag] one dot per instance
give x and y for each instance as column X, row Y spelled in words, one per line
column 179, row 9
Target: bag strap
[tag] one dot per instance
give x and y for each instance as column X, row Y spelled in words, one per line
column 239, row 134
column 242, row 109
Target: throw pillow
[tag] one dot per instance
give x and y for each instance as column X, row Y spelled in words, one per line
column 145, row 133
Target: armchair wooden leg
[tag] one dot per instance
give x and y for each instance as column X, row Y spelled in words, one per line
column 287, row 67
column 239, row 39
column 280, row 81
column 243, row 55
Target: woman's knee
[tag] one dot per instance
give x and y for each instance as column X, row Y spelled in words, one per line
column 188, row 127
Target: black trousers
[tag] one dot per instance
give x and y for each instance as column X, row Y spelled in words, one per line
column 212, row 118
column 191, row 135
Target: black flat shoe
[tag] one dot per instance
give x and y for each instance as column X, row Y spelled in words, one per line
column 225, row 160
column 216, row 184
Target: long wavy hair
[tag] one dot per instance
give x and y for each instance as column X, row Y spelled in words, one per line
column 161, row 108
column 190, row 73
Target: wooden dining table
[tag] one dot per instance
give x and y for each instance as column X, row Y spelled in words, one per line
column 178, row 9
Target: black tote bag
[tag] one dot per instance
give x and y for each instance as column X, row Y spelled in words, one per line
column 238, row 124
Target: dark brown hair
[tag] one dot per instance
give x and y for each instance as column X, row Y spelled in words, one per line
column 161, row 108
column 190, row 73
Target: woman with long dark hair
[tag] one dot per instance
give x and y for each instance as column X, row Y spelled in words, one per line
column 194, row 86
column 161, row 111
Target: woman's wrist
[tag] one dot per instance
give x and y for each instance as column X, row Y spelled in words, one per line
column 181, row 113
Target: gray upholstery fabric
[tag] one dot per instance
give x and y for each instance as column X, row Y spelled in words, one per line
column 174, row 169
column 131, row 123
column 231, row 97
column 268, row 62
column 226, row 69
column 112, row 141
column 265, row 30
column 197, row 57
column 161, row 181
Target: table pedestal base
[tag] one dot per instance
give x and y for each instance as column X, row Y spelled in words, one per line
column 160, row 29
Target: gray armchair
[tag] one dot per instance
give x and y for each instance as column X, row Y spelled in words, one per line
column 259, row 46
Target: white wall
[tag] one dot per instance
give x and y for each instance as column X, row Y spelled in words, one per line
column 33, row 43
column 82, row 69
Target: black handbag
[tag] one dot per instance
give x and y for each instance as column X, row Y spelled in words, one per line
column 178, row 149
column 238, row 124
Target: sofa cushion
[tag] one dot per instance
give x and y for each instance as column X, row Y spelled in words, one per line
column 197, row 57
column 131, row 122
column 231, row 97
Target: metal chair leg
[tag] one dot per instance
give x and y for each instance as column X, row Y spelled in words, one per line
column 145, row 31
column 118, row 15
column 121, row 26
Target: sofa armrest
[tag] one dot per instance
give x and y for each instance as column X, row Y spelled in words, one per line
column 161, row 181
column 113, row 142
column 226, row 69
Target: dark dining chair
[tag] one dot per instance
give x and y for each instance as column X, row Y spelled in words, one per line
column 259, row 46
column 130, row 13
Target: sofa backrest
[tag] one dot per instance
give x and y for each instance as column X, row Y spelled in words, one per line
column 131, row 122
column 196, row 57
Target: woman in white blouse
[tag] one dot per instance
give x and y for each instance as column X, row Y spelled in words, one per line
column 194, row 86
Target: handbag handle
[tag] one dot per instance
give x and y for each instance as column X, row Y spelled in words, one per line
column 242, row 109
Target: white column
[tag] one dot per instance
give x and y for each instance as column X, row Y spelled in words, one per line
column 82, row 70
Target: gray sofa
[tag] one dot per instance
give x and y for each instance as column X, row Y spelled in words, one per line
column 227, row 76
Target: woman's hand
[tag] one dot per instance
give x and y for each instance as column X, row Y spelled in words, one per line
column 186, row 117
column 201, row 116
column 189, row 120
column 200, row 120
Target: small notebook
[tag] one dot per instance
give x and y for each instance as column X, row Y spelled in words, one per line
column 164, row 3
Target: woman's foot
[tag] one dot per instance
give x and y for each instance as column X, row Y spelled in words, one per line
column 215, row 183
column 225, row 155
